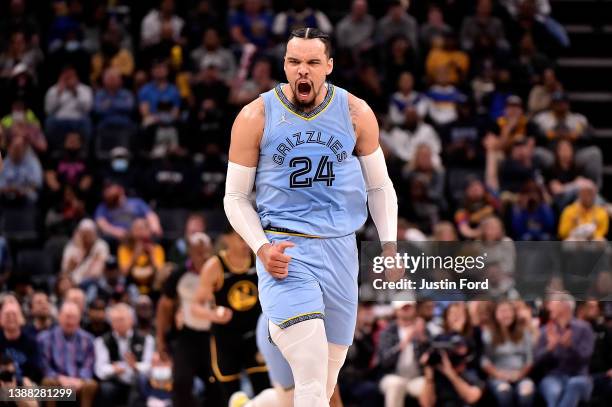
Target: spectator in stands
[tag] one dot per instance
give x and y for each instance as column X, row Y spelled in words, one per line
column 114, row 216
column 559, row 122
column 297, row 16
column 76, row 296
column 97, row 323
column 122, row 355
column 564, row 178
column 355, row 31
column 513, row 125
column 112, row 286
column 159, row 100
column 397, row 22
column 10, row 380
column 140, row 258
column 151, row 26
column 443, row 99
column 368, row 84
column 23, row 122
column 19, row 51
column 211, row 53
column 399, row 352
column 84, row 257
column 68, row 355
column 404, row 139
column 22, row 86
column 18, row 16
column 584, row 219
column 207, row 119
column 405, row 97
column 532, row 218
column 462, row 146
column 435, row 25
column 423, row 202
column 444, row 53
column 143, row 307
column 508, row 357
column 67, row 104
column 21, row 175
column 357, row 378
column 483, row 24
column 112, row 55
column 530, row 66
column 512, row 172
column 601, row 360
column 195, row 223
column 16, row 343
column 120, row 169
column 499, row 247
column 252, row 24
column 540, row 10
column 113, row 104
column 399, row 57
column 452, row 383
column 478, row 204
column 261, row 81
column 540, row 96
column 41, row 313
column 564, row 350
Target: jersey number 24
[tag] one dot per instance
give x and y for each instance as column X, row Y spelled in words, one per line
column 299, row 178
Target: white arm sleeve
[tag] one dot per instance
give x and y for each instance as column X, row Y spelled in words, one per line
column 239, row 209
column 382, row 200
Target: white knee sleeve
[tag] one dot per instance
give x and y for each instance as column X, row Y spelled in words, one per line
column 304, row 345
column 336, row 357
column 276, row 397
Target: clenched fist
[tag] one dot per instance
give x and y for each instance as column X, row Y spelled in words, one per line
column 274, row 258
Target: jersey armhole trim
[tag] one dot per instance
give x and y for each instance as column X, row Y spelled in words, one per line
column 267, row 117
column 347, row 112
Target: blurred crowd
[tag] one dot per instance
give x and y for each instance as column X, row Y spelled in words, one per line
column 114, row 128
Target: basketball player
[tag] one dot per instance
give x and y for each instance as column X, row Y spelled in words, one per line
column 281, row 394
column 308, row 146
column 228, row 282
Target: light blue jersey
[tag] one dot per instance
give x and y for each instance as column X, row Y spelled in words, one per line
column 310, row 191
column 308, row 179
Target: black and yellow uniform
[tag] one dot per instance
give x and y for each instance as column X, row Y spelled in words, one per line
column 233, row 345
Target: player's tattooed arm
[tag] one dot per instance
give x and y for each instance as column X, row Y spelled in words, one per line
column 365, row 126
column 247, row 132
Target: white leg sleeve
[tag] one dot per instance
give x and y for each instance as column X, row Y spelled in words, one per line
column 304, row 345
column 276, row 397
column 335, row 358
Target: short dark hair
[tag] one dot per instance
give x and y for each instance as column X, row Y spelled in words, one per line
column 313, row 33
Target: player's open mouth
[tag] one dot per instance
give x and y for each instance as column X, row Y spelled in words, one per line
column 303, row 89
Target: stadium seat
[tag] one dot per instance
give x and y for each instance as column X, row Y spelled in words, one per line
column 19, row 223
column 35, row 264
column 216, row 222
column 172, row 222
column 54, row 250
column 109, row 137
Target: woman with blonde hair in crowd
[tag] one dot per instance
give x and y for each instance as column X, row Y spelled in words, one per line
column 508, row 357
column 85, row 255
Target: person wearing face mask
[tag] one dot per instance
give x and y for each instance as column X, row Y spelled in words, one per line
column 122, row 355
column 157, row 389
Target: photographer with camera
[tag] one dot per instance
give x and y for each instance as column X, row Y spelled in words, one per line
column 9, row 379
column 448, row 380
column 399, row 350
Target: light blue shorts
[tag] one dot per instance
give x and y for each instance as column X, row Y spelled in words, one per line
column 278, row 367
column 322, row 283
